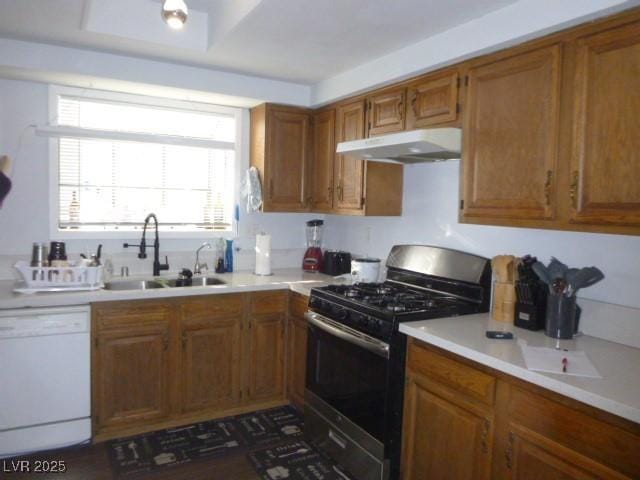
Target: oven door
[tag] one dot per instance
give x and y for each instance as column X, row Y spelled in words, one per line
column 349, row 371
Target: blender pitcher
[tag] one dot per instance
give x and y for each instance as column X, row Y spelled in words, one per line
column 312, row 261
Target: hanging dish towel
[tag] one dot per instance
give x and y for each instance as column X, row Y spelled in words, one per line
column 5, row 181
column 253, row 190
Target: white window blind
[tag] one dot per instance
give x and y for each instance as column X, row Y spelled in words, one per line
column 112, row 184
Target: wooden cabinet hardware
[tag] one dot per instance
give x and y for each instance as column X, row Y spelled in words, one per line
column 547, row 187
column 508, row 453
column 573, row 188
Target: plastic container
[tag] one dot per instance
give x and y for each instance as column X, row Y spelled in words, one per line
column 56, row 278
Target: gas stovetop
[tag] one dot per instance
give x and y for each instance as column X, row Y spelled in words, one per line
column 378, row 308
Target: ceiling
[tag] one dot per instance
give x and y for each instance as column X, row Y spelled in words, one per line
column 303, row 41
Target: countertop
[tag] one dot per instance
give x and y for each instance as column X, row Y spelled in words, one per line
column 617, row 392
column 288, row 279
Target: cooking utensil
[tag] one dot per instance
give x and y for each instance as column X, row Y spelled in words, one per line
column 586, row 277
column 542, row 272
column 556, row 268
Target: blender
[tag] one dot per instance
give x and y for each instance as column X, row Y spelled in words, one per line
column 312, row 261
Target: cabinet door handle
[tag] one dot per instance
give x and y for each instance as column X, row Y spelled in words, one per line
column 400, row 109
column 547, row 187
column 165, row 343
column 573, row 188
column 339, row 188
column 414, row 99
column 485, row 436
column 508, row 453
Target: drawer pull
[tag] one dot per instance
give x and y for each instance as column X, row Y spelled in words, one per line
column 337, row 440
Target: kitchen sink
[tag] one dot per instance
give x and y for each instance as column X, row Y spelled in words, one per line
column 195, row 282
column 162, row 283
column 134, row 285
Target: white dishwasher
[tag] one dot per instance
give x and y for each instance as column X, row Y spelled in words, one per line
column 45, row 379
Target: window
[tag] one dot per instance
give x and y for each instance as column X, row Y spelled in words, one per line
column 121, row 157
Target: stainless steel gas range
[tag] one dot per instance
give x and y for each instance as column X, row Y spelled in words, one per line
column 356, row 355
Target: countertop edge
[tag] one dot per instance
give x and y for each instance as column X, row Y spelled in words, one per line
column 611, row 406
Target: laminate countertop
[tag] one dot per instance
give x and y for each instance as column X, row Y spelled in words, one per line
column 617, row 392
column 286, row 279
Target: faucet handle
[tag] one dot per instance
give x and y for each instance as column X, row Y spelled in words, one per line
column 165, row 265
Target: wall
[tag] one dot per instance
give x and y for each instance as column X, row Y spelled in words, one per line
column 25, row 213
column 430, row 217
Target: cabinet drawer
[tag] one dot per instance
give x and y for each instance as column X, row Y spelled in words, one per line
column 458, row 376
column 113, row 315
column 212, row 306
column 269, row 302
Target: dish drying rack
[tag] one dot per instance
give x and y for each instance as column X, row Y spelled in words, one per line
column 58, row 279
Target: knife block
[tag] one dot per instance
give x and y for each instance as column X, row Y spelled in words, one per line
column 504, row 302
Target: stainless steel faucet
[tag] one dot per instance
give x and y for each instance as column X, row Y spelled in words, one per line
column 198, row 267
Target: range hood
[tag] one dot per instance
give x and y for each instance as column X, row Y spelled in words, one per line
column 415, row 146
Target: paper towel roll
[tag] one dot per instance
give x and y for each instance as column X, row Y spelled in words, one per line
column 263, row 254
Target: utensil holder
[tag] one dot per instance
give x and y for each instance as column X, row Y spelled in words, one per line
column 561, row 316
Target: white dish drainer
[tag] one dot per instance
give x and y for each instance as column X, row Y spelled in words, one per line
column 53, row 279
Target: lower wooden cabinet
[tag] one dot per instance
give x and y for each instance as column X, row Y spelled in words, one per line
column 444, row 438
column 297, row 349
column 132, row 368
column 519, row 431
column 168, row 362
column 266, row 357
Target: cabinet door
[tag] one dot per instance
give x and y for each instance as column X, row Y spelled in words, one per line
column 386, row 112
column 442, row 439
column 131, row 375
column 530, row 456
column 606, row 153
column 350, row 172
column 297, row 361
column 432, row 100
column 510, row 150
column 324, row 154
column 211, row 363
column 287, row 160
column 266, row 357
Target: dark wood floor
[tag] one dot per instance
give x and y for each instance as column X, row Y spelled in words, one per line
column 91, row 462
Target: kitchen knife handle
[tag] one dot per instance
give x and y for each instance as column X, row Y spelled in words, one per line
column 547, row 187
column 573, row 188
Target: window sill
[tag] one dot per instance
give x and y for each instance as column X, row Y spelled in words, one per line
column 135, row 235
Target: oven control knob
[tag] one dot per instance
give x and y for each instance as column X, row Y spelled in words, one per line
column 342, row 314
column 315, row 302
column 376, row 325
column 364, row 321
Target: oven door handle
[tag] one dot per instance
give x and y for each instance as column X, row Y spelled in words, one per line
column 345, row 333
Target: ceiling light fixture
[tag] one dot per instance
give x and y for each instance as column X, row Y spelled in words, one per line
column 174, row 13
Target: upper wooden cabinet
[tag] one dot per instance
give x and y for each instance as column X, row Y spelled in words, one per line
column 363, row 187
column 432, row 100
column 385, row 112
column 605, row 165
column 324, row 154
column 281, row 151
column 510, row 150
column 349, row 171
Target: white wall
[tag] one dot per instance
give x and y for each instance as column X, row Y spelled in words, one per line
column 510, row 25
column 25, row 213
column 430, row 217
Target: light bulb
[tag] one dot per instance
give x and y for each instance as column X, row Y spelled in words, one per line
column 174, row 13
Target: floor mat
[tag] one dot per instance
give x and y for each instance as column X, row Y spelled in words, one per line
column 295, row 460
column 176, row 446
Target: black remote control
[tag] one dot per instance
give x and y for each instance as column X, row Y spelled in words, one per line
column 499, row 335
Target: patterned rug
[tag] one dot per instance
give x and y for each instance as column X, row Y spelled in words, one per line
column 295, row 460
column 176, row 446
